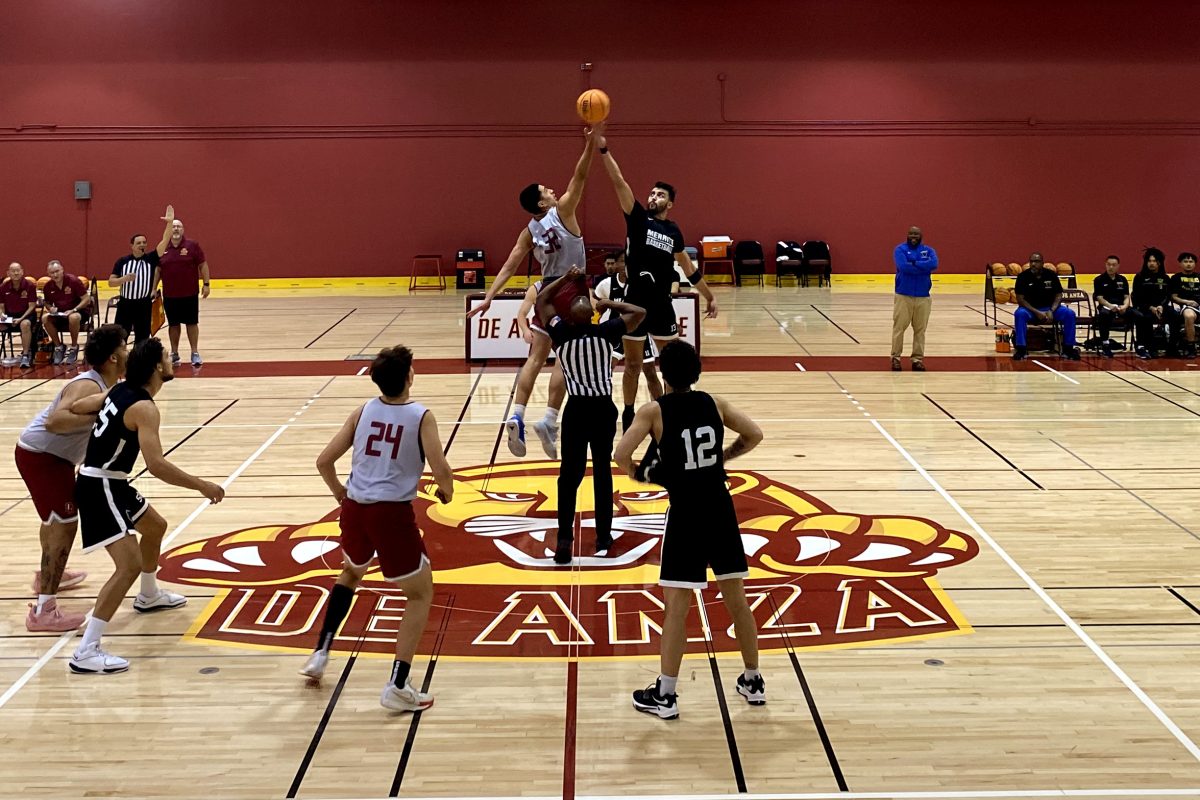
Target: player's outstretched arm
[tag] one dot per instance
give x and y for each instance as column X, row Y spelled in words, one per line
column 696, row 279
column 624, row 193
column 169, row 218
column 143, row 417
column 519, row 252
column 342, row 441
column 544, row 304
column 523, row 314
column 431, row 443
column 88, row 406
column 570, row 199
column 642, row 426
column 630, row 314
column 749, row 434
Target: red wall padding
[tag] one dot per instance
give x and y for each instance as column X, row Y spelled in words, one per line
column 315, row 139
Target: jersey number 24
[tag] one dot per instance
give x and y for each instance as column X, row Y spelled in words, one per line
column 384, row 432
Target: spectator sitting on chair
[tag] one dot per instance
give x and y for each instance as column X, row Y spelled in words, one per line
column 67, row 303
column 1114, row 304
column 19, row 296
column 1151, row 295
column 1039, row 300
column 1185, row 294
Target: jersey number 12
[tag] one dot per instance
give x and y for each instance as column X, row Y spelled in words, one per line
column 701, row 454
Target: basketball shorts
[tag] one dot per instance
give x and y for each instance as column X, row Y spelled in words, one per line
column 109, row 509
column 182, row 310
column 648, row 354
column 701, row 533
column 387, row 530
column 659, row 323
column 51, row 483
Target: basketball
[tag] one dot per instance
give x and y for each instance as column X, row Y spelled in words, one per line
column 999, row 269
column 1001, row 295
column 592, row 106
column 1014, row 268
column 1065, row 269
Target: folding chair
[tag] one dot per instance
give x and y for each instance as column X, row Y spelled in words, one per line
column 748, row 260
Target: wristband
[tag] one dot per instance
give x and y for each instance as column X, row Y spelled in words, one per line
column 206, row 283
column 695, row 278
column 603, row 151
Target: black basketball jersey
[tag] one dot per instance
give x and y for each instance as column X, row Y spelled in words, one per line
column 650, row 248
column 112, row 446
column 691, row 450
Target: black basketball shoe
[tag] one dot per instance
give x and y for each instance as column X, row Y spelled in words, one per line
column 651, row 702
column 754, row 690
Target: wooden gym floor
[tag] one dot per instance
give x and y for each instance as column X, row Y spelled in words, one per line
column 981, row 581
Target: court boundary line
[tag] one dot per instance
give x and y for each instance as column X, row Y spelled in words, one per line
column 1056, row 372
column 949, row 794
column 1050, row 603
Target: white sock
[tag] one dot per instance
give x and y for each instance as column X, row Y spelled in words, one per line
column 751, row 674
column 551, row 417
column 149, row 584
column 93, row 632
column 666, row 685
column 41, row 602
column 519, row 410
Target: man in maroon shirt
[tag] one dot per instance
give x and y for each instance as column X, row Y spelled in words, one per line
column 67, row 302
column 19, row 295
column 180, row 267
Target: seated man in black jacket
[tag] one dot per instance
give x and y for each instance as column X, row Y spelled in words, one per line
column 1039, row 300
column 1114, row 304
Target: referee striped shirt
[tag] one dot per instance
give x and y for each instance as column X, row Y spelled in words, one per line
column 143, row 268
column 585, row 354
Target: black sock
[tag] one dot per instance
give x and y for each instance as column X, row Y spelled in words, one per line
column 335, row 613
column 400, row 671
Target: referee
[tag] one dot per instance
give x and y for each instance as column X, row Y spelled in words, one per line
column 584, row 352
column 137, row 275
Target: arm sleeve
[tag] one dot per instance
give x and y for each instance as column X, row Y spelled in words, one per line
column 151, row 258
column 638, row 212
column 678, row 238
column 899, row 257
column 557, row 330
column 116, row 270
column 198, row 254
column 932, row 264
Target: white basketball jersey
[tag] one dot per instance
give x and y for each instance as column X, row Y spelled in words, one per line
column 555, row 247
column 388, row 459
column 67, row 446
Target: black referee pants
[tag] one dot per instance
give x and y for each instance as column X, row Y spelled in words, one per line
column 134, row 317
column 586, row 422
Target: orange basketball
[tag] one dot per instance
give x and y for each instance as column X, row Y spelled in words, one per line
column 998, row 269
column 1001, row 295
column 592, row 106
column 1014, row 268
column 1065, row 269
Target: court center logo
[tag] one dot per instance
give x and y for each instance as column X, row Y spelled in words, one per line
column 819, row 577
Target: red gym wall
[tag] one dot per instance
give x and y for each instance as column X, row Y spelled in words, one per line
column 318, row 138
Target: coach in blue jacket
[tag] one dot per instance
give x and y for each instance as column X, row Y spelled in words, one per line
column 914, row 263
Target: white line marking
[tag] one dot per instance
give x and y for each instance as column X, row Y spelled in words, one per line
column 1066, row 618
column 1124, row 794
column 1056, row 372
column 362, row 371
column 225, row 485
column 800, row 367
column 41, row 662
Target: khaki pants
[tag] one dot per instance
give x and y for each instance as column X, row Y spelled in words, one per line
column 912, row 311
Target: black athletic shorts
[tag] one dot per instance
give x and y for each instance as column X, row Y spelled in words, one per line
column 659, row 322
column 109, row 508
column 182, row 310
column 702, row 532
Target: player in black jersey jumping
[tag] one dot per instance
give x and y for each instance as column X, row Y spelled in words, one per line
column 702, row 528
column 110, row 508
column 653, row 245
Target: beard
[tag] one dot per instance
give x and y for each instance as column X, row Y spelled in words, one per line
column 167, row 378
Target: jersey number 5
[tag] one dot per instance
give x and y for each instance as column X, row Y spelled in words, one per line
column 701, row 455
column 106, row 414
column 384, row 432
